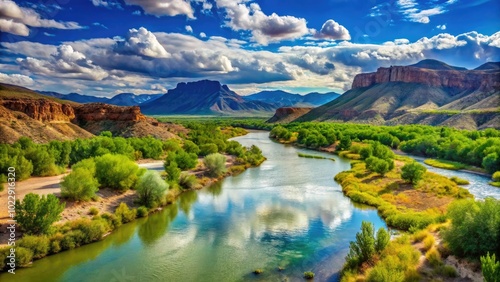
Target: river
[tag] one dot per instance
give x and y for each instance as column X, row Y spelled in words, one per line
column 287, row 213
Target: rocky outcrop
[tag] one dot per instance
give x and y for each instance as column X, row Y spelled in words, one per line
column 40, row 109
column 98, row 112
column 288, row 114
column 462, row 80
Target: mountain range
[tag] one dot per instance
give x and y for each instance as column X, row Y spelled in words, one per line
column 281, row 98
column 429, row 92
column 123, row 99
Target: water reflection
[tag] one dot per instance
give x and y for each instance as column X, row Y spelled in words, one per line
column 155, row 226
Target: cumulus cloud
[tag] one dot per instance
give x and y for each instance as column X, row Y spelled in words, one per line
column 110, row 4
column 203, row 35
column 15, row 19
column 264, row 28
column 333, row 30
column 142, row 42
column 441, row 26
column 189, row 29
column 17, row 79
column 164, row 7
column 65, row 63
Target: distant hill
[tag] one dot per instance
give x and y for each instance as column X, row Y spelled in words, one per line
column 123, row 99
column 203, row 97
column 288, row 114
column 490, row 66
column 435, row 65
column 467, row 99
column 24, row 112
column 281, row 98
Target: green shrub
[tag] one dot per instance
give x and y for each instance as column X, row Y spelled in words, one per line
column 151, row 189
column 191, row 147
column 382, row 239
column 112, row 220
column 55, row 246
column 36, row 214
column 380, row 166
column 433, row 257
column 363, row 248
column 216, row 164
column 447, row 271
column 142, row 211
column 93, row 211
column 116, row 171
column 187, row 181
column 173, row 172
column 39, row 245
column 80, row 185
column 459, row 180
column 490, row 268
column 124, row 214
column 207, row 149
column 496, row 176
column 475, row 227
column 413, row 172
column 429, row 242
column 308, row 275
column 24, row 256
column 92, row 230
column 386, row 273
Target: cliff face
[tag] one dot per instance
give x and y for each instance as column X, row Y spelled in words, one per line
column 100, row 112
column 288, row 114
column 464, row 80
column 41, row 110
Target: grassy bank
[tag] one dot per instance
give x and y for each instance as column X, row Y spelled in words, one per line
column 445, row 164
column 302, row 155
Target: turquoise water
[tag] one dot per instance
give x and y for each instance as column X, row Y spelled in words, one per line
column 286, row 213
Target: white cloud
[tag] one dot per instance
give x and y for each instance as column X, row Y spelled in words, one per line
column 142, row 42
column 164, row 7
column 16, row 79
column 333, row 30
column 110, row 4
column 66, row 63
column 203, row 35
column 189, row 29
column 264, row 28
column 441, row 26
column 412, row 10
column 15, row 19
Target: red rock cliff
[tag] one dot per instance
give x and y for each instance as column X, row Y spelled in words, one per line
column 40, row 109
column 469, row 79
column 100, row 111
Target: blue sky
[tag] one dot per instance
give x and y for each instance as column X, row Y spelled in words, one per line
column 105, row 47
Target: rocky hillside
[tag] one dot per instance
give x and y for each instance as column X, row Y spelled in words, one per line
column 203, row 97
column 26, row 113
column 281, row 98
column 443, row 95
column 288, row 114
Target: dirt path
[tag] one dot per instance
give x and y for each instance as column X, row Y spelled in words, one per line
column 48, row 185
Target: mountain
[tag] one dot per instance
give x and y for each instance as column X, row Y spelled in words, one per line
column 203, row 97
column 24, row 112
column 123, row 99
column 281, row 98
column 129, row 99
column 435, row 65
column 288, row 114
column 490, row 66
column 467, row 99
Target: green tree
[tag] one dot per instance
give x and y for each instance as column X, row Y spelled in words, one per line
column 377, row 165
column 345, row 143
column 173, row 172
column 116, row 171
column 216, row 164
column 151, row 189
column 363, row 248
column 207, row 149
column 491, row 162
column 382, row 240
column 185, row 160
column 36, row 214
column 490, row 268
column 80, row 185
column 413, row 172
column 190, row 147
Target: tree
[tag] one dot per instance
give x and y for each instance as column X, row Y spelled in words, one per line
column 413, row 172
column 345, row 143
column 207, row 149
column 382, row 240
column 151, row 189
column 80, row 184
column 490, row 268
column 116, row 171
column 377, row 165
column 363, row 248
column 216, row 164
column 185, row 160
column 191, row 147
column 36, row 214
column 173, row 172
column 491, row 162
